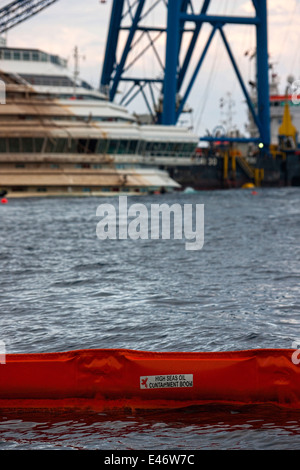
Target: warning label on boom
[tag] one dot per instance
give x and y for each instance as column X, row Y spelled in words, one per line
column 166, row 381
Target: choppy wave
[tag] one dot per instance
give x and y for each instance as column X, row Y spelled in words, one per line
column 62, row 288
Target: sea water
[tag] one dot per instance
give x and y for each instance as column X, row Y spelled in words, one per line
column 61, row 288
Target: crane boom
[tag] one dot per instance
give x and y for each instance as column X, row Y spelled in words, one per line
column 20, row 10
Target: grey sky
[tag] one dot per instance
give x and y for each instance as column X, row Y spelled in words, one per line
column 69, row 23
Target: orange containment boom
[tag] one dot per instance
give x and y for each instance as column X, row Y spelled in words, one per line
column 102, row 379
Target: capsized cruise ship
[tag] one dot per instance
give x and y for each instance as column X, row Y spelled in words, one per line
column 59, row 136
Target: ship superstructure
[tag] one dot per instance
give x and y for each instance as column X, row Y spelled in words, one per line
column 58, row 135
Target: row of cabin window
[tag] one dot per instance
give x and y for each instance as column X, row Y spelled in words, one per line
column 52, row 80
column 38, row 145
column 95, row 166
column 44, row 189
column 28, row 55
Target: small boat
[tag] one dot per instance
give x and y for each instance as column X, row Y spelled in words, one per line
column 107, row 379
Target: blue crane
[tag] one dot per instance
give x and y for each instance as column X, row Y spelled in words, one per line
column 133, row 18
column 183, row 16
column 19, row 10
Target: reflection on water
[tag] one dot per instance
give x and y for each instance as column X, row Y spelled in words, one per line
column 196, row 429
